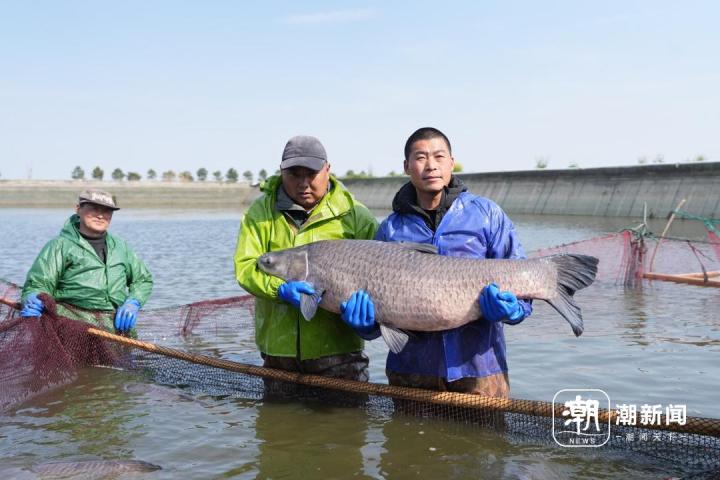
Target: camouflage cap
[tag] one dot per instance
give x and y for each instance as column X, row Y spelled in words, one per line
column 98, row 197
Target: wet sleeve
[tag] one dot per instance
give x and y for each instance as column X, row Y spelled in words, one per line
column 502, row 237
column 140, row 281
column 44, row 274
column 504, row 243
column 250, row 246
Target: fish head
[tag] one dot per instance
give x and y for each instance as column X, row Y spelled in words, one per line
column 290, row 264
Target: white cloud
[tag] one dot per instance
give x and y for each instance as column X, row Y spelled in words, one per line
column 338, row 16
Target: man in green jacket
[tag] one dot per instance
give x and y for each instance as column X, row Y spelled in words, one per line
column 302, row 205
column 87, row 268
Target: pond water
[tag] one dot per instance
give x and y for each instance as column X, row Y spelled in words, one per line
column 657, row 344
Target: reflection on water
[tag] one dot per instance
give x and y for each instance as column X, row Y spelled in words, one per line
column 655, row 344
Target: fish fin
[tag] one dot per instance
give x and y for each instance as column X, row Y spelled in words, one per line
column 574, row 272
column 309, row 303
column 420, row 247
column 396, row 339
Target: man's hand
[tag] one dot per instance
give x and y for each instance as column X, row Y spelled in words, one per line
column 359, row 311
column 126, row 315
column 33, row 306
column 497, row 306
column 290, row 291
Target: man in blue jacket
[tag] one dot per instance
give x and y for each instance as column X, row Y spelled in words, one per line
column 436, row 208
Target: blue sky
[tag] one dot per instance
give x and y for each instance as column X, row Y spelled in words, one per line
column 218, row 84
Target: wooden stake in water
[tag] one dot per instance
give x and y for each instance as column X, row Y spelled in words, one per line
column 662, row 236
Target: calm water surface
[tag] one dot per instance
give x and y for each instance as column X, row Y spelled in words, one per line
column 655, row 344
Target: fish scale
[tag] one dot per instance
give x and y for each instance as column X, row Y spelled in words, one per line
column 413, row 288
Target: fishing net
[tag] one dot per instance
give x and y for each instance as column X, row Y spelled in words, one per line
column 631, row 256
column 41, row 354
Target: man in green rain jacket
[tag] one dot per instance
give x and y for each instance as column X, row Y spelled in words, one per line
column 302, row 205
column 87, row 268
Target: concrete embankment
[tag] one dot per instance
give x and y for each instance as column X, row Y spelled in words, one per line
column 614, row 192
column 610, row 192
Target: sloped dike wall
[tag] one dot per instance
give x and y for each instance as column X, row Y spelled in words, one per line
column 611, row 192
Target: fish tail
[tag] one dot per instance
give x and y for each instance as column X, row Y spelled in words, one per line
column 575, row 272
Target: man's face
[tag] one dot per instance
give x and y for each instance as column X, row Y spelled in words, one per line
column 306, row 187
column 94, row 219
column 429, row 165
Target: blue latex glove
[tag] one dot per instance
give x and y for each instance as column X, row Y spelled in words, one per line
column 126, row 315
column 290, row 291
column 497, row 306
column 359, row 311
column 33, row 306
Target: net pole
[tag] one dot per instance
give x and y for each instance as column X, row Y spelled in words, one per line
column 700, row 282
column 667, row 227
column 693, row 425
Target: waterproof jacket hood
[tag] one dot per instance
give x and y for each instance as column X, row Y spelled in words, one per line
column 405, row 201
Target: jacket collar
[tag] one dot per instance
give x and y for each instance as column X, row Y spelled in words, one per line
column 337, row 201
column 405, row 200
column 71, row 231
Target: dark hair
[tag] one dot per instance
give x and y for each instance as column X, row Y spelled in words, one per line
column 425, row 133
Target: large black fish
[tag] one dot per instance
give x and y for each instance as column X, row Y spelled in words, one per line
column 413, row 288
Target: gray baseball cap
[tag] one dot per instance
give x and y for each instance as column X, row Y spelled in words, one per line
column 98, row 197
column 304, row 151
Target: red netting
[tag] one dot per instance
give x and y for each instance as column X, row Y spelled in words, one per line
column 715, row 243
column 39, row 354
column 626, row 258
column 44, row 353
column 620, row 255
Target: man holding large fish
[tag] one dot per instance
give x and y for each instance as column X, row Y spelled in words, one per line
column 439, row 298
column 304, row 204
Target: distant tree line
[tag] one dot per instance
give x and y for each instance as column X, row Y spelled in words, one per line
column 230, row 176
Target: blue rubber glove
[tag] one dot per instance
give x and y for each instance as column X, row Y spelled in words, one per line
column 359, row 311
column 497, row 306
column 126, row 315
column 290, row 291
column 33, row 306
